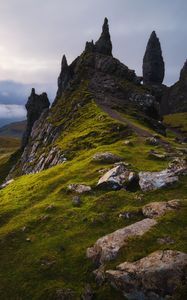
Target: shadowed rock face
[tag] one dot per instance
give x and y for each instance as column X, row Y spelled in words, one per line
column 174, row 99
column 104, row 44
column 64, row 77
column 36, row 104
column 153, row 63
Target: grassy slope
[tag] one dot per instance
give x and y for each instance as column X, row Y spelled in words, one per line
column 178, row 120
column 44, row 250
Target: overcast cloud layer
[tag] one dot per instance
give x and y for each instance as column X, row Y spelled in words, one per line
column 34, row 35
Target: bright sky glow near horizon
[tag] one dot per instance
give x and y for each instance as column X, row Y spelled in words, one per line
column 35, row 34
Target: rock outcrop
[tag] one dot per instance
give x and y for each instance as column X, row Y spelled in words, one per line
column 107, row 247
column 154, row 277
column 153, row 63
column 36, row 104
column 104, row 44
column 106, row 157
column 174, row 99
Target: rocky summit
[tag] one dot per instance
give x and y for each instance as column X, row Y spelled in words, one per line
column 93, row 205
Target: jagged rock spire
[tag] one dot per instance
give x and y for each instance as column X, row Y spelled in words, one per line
column 183, row 74
column 104, row 44
column 35, row 105
column 153, row 63
column 64, row 76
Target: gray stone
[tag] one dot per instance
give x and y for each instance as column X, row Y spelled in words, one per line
column 153, row 63
column 79, row 188
column 106, row 157
column 106, row 248
column 117, row 177
column 154, row 277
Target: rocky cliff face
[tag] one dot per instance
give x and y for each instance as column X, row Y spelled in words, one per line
column 108, row 81
column 36, row 104
column 153, row 63
column 174, row 99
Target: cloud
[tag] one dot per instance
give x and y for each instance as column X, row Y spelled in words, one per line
column 35, row 34
column 12, row 112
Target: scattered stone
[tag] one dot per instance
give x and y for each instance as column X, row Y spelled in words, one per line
column 165, row 240
column 155, row 276
column 6, row 183
column 153, row 141
column 24, row 228
column 128, row 143
column 88, row 293
column 79, row 188
column 64, row 294
column 129, row 214
column 50, row 207
column 158, row 209
column 100, row 274
column 154, row 154
column 153, row 63
column 106, row 157
column 117, row 178
column 76, row 201
column 107, row 247
column 28, row 239
column 43, row 218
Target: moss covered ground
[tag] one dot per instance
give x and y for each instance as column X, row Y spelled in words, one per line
column 43, row 237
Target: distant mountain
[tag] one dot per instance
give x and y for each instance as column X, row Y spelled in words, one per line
column 13, row 129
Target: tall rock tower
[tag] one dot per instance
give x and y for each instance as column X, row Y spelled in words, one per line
column 35, row 105
column 153, row 63
column 104, row 44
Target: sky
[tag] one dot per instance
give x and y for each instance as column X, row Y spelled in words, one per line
column 34, row 34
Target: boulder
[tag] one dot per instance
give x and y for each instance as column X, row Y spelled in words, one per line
column 149, row 181
column 117, row 178
column 79, row 188
column 106, row 157
column 154, row 277
column 158, row 209
column 153, row 63
column 107, row 247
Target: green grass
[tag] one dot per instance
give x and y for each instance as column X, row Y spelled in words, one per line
column 43, row 250
column 178, row 121
column 60, row 236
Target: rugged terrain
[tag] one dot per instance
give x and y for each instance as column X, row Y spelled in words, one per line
column 95, row 206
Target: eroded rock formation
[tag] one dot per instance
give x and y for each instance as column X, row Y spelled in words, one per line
column 153, row 63
column 104, row 44
column 36, row 104
column 64, row 77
